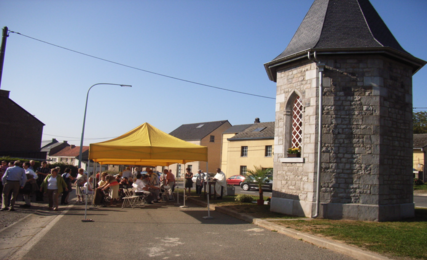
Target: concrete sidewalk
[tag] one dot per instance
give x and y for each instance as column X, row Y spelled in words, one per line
column 159, row 231
column 322, row 242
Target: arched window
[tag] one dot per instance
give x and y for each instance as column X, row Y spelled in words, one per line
column 296, row 138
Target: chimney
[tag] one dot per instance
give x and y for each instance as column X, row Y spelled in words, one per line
column 257, row 120
column 72, row 146
column 4, row 93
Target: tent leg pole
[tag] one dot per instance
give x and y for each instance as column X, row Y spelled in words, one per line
column 207, row 183
column 87, row 220
column 177, row 193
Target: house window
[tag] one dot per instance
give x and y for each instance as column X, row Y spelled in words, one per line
column 244, row 151
column 190, row 166
column 296, row 123
column 243, row 170
column 178, row 170
column 212, row 140
column 71, row 160
column 268, row 150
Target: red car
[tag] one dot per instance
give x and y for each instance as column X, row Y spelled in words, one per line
column 236, row 179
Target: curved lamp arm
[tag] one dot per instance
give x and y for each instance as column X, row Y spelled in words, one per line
column 84, row 116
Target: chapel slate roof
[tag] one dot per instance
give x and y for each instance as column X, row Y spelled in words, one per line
column 341, row 25
column 250, row 133
column 191, row 132
column 420, row 140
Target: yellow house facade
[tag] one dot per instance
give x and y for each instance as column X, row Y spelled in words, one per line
column 207, row 134
column 246, row 146
column 419, row 155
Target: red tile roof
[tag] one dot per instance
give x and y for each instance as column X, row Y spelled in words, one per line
column 71, row 151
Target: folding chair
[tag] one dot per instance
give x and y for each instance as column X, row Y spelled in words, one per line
column 129, row 198
column 140, row 201
column 84, row 192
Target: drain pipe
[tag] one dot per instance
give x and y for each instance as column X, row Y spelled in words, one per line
column 321, row 68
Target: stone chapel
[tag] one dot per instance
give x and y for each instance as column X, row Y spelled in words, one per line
column 344, row 98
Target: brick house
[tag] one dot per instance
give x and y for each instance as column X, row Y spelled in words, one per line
column 20, row 131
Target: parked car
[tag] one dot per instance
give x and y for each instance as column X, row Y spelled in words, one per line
column 236, row 180
column 249, row 183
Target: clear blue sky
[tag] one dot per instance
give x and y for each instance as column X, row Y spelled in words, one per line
column 220, row 43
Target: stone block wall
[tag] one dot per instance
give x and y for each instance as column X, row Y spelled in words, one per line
column 294, row 182
column 366, row 159
column 367, row 136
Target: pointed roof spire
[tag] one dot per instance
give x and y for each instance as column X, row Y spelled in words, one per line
column 337, row 26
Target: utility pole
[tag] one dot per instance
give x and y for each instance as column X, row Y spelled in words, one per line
column 3, row 50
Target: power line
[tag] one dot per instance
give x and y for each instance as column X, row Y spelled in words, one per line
column 147, row 71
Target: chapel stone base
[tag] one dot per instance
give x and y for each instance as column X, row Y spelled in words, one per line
column 362, row 212
column 367, row 212
column 292, row 207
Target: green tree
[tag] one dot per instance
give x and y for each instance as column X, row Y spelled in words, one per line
column 419, row 121
column 259, row 176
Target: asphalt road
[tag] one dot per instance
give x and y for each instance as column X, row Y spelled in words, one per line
column 166, row 232
column 420, row 201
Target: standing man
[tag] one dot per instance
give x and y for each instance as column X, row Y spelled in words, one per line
column 32, row 165
column 220, row 181
column 199, row 182
column 13, row 179
column 173, row 188
column 127, row 173
column 42, row 172
column 30, row 185
column 169, row 180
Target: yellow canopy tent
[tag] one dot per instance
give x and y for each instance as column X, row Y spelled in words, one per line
column 148, row 146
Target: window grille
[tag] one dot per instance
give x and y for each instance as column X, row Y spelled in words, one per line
column 297, row 123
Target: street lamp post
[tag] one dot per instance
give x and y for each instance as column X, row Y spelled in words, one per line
column 84, row 116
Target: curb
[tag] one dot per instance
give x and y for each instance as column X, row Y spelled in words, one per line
column 327, row 243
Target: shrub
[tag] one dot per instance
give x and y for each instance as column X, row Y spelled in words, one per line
column 11, row 159
column 418, row 182
column 244, row 198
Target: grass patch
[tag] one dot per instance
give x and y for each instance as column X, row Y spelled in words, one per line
column 420, row 187
column 400, row 238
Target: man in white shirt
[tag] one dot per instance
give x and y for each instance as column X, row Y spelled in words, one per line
column 220, row 182
column 141, row 188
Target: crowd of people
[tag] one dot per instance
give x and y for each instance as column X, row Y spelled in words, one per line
column 151, row 185
column 23, row 178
